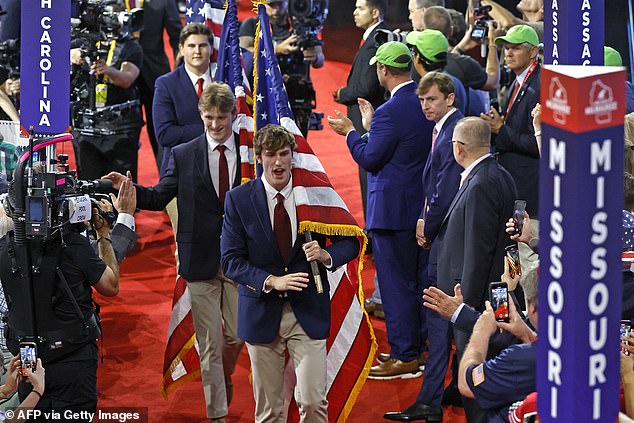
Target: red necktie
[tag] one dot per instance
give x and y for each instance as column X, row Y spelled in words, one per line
column 223, row 174
column 282, row 228
column 200, row 83
column 434, row 135
column 516, row 88
column 132, row 4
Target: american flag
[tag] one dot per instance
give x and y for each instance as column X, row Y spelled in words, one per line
column 211, row 12
column 181, row 362
column 351, row 345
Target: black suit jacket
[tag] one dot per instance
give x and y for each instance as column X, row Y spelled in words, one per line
column 472, row 238
column 200, row 213
column 516, row 143
column 362, row 81
column 158, row 15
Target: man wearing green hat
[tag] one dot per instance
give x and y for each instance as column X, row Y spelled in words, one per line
column 612, row 57
column 394, row 154
column 513, row 134
column 429, row 53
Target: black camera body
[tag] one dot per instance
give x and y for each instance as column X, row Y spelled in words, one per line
column 481, row 23
column 308, row 17
column 46, row 196
column 10, row 57
column 103, row 19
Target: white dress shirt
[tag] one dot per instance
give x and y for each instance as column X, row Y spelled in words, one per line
column 207, row 76
column 214, row 156
column 465, row 173
column 289, row 204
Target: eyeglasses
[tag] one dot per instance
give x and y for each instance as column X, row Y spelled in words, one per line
column 456, row 141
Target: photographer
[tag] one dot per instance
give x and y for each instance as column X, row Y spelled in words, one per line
column 65, row 268
column 297, row 49
column 106, row 112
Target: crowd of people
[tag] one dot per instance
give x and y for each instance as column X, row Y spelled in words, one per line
column 444, row 123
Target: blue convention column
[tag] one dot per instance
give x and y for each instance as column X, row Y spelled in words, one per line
column 581, row 180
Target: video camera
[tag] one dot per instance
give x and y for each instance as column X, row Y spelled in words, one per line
column 10, row 57
column 308, row 17
column 481, row 22
column 45, row 195
column 101, row 20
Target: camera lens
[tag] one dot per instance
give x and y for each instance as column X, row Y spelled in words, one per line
column 301, row 8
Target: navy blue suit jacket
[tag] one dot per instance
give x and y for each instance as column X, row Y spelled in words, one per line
column 472, row 237
column 441, row 179
column 517, row 146
column 394, row 156
column 250, row 254
column 175, row 111
column 200, row 213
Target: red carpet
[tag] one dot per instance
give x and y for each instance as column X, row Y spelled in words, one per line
column 135, row 323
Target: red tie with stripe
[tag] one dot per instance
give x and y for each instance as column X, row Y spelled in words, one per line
column 200, row 83
column 223, row 174
column 282, row 228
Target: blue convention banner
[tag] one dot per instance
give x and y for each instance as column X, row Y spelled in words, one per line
column 580, row 278
column 573, row 32
column 45, row 65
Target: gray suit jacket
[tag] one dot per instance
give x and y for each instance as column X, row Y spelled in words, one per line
column 123, row 240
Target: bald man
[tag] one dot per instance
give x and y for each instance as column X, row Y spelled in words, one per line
column 472, row 236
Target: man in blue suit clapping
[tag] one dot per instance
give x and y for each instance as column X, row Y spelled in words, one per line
column 394, row 154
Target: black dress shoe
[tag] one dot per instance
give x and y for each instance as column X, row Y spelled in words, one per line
column 418, row 411
column 451, row 396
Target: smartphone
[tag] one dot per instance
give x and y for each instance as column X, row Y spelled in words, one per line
column 513, row 260
column 28, row 357
column 625, row 331
column 518, row 215
column 499, row 297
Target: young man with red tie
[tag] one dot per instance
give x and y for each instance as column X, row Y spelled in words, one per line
column 199, row 174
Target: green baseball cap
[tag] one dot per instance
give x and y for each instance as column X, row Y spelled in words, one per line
column 611, row 57
column 519, row 34
column 430, row 43
column 392, row 53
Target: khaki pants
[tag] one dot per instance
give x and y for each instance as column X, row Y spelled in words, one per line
column 309, row 359
column 213, row 302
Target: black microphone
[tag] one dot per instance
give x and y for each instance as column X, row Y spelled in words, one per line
column 314, row 267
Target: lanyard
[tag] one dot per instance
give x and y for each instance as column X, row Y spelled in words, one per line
column 519, row 89
column 113, row 45
column 139, row 4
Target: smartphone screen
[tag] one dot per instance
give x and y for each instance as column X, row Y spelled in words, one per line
column 28, row 356
column 499, row 297
column 518, row 215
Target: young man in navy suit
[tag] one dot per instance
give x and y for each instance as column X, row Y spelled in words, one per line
column 199, row 174
column 279, row 307
column 394, row 155
column 441, row 177
column 175, row 107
